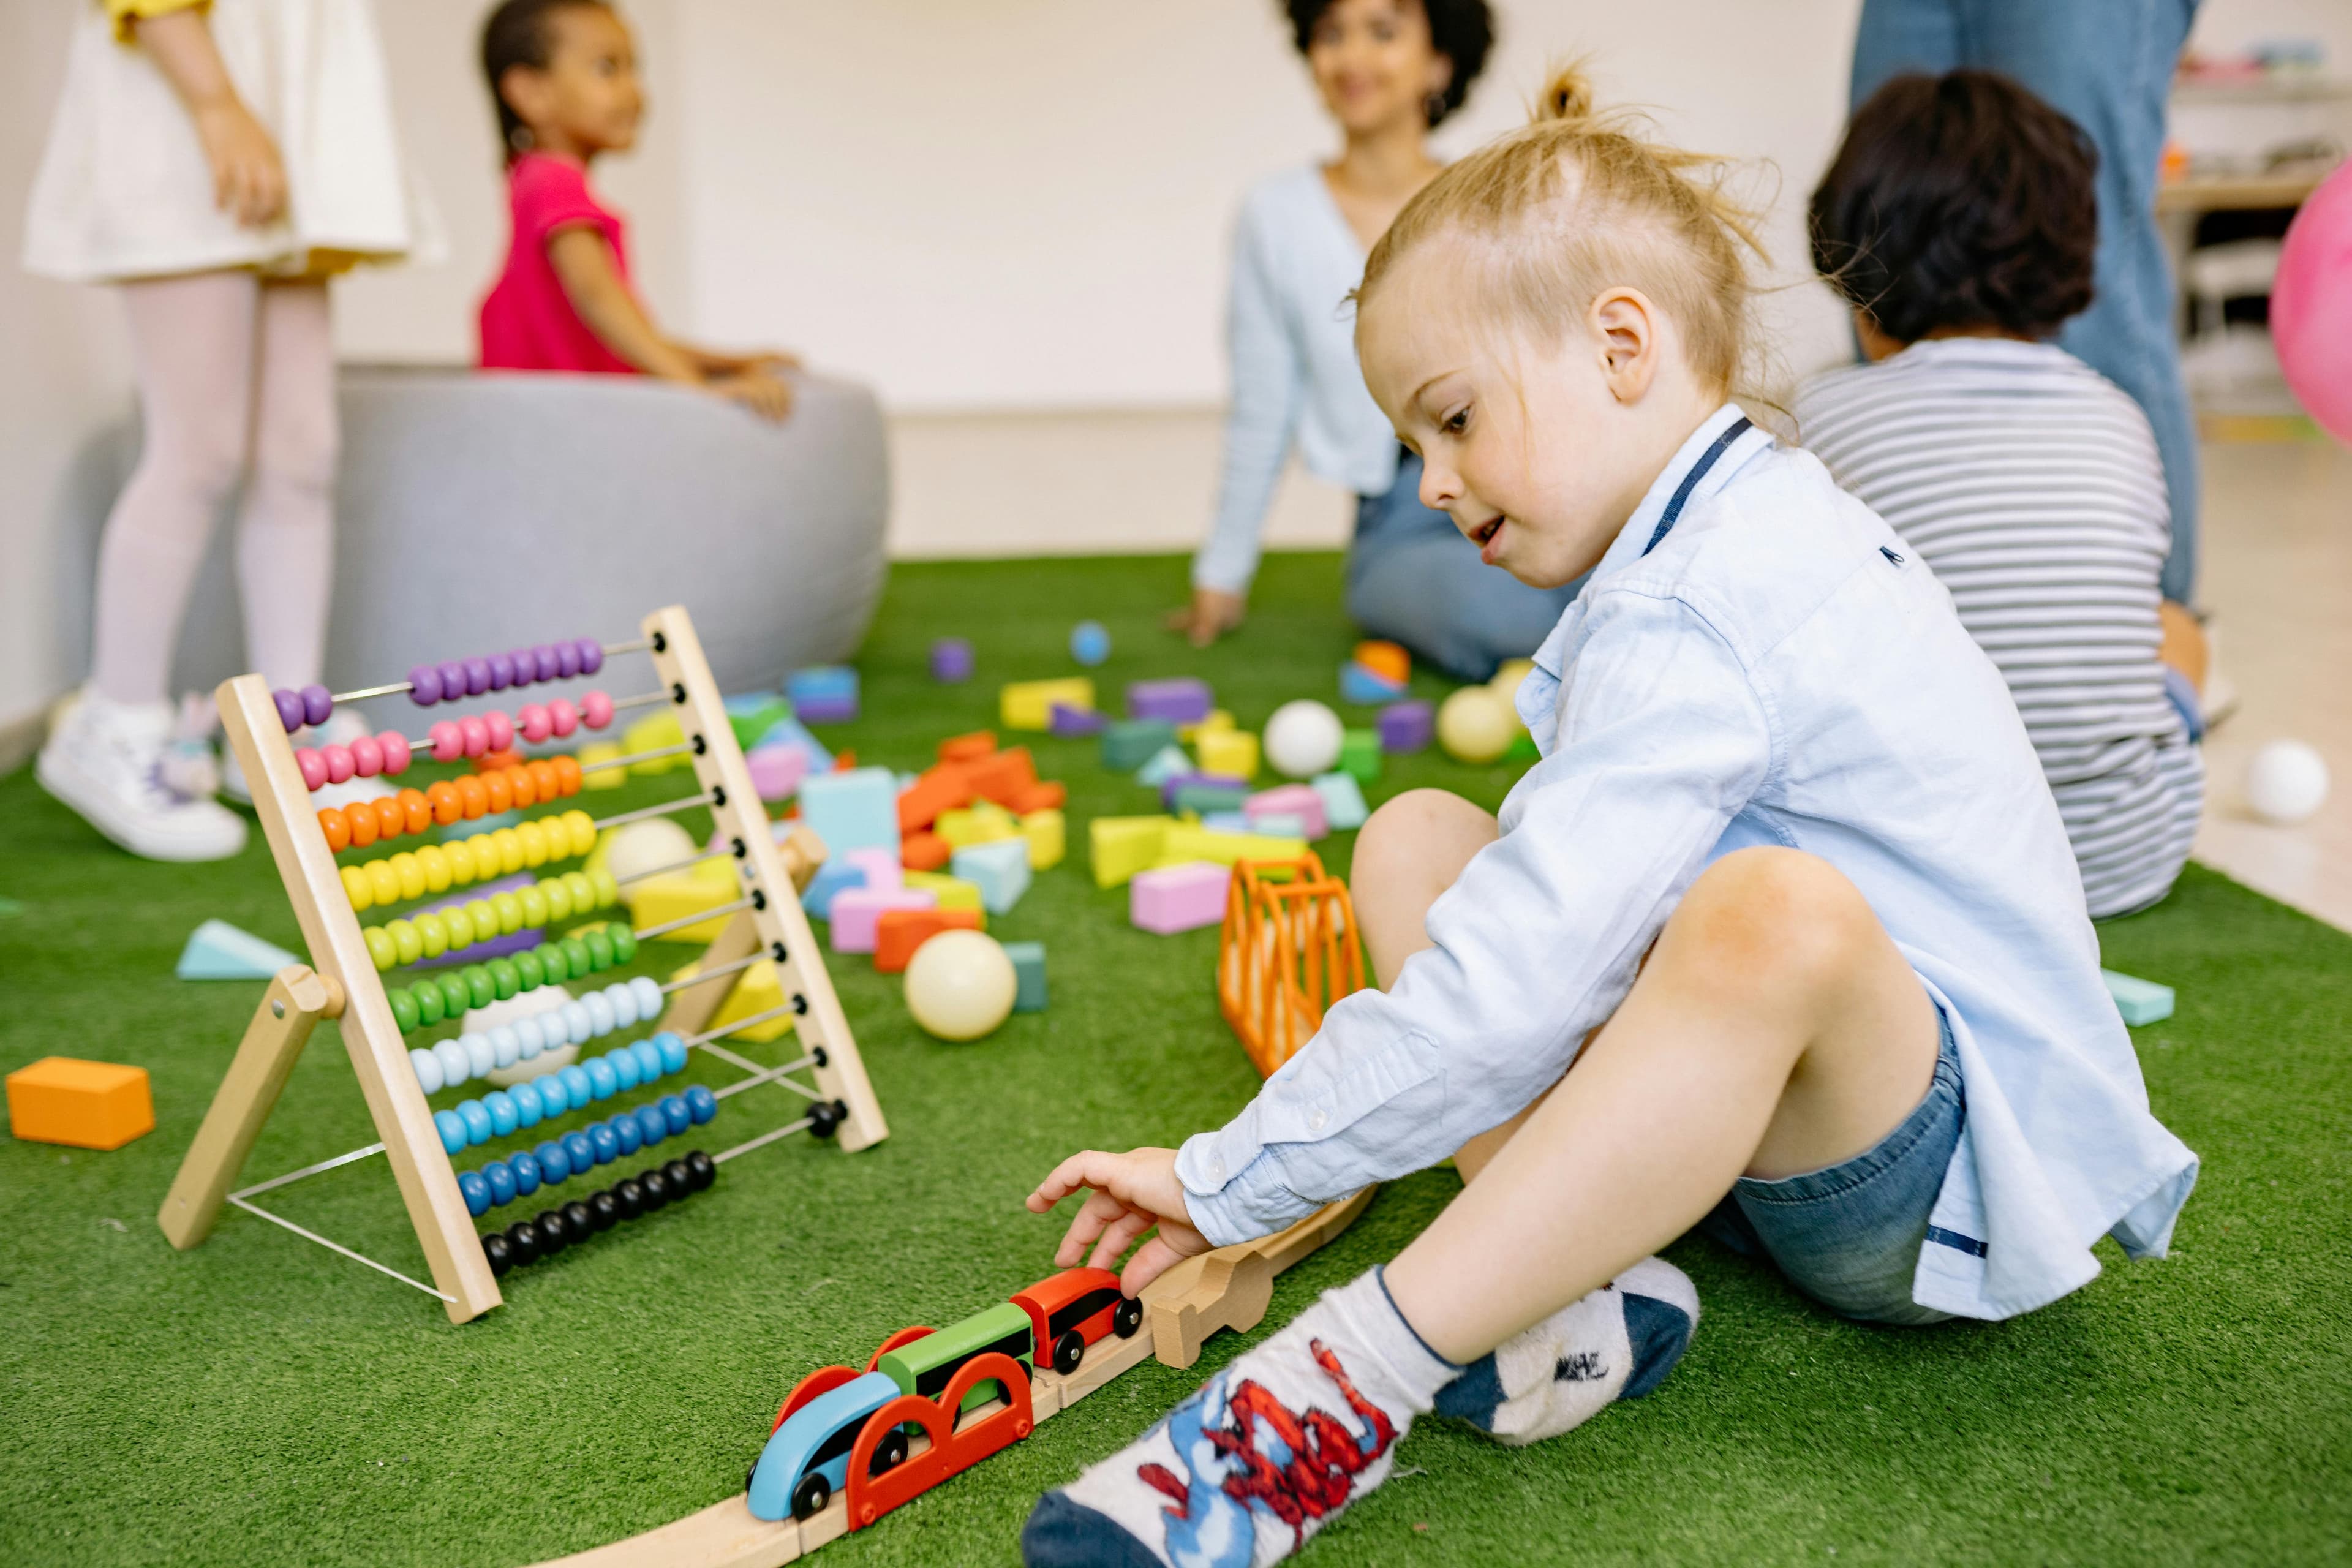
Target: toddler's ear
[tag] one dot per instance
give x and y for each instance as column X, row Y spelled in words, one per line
column 1625, row 325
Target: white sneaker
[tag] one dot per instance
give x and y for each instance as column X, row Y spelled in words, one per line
column 107, row 761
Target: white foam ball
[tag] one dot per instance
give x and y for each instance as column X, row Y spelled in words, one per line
column 637, row 848
column 961, row 984
column 2286, row 782
column 1475, row 725
column 1302, row 740
column 428, row 1071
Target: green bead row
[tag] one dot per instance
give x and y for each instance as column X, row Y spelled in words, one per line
column 447, row 996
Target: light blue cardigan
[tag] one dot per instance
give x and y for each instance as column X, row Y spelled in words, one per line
column 1292, row 344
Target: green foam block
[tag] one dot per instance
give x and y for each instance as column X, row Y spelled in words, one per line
column 219, row 951
column 2139, row 1001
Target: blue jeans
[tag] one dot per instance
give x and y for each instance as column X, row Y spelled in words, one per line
column 2108, row 65
column 1413, row 579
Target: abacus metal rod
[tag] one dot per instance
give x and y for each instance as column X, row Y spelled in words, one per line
column 739, row 1025
column 641, row 699
column 682, row 804
column 761, row 1142
column 635, row 757
column 649, row 932
column 338, row 1246
column 774, row 1075
column 684, row 982
column 307, row 1171
column 729, row 1057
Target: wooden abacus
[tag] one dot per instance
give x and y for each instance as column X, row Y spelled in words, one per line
column 765, row 923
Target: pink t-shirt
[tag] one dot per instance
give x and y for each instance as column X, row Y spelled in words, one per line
column 527, row 321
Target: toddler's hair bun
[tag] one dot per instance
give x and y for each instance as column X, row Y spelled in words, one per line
column 1567, row 98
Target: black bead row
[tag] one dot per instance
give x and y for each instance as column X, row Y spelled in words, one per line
column 552, row 1230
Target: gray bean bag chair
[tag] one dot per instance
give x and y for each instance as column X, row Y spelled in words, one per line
column 476, row 512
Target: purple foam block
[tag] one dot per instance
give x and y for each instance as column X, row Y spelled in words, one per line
column 1184, row 700
column 1167, row 790
column 1066, row 721
column 826, row 710
column 1406, row 726
column 951, row 659
column 505, row 946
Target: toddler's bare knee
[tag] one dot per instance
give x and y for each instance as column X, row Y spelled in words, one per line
column 1778, row 913
column 1414, row 826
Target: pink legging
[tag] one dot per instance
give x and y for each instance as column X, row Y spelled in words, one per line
column 237, row 383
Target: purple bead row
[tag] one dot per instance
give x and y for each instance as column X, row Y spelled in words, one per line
column 455, row 678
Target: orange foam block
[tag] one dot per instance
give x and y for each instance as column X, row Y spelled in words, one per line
column 1387, row 661
column 946, row 787
column 924, row 852
column 91, row 1105
column 1002, row 776
column 968, row 748
column 899, row 933
column 1048, row 794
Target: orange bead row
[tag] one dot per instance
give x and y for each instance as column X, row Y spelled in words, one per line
column 463, row 798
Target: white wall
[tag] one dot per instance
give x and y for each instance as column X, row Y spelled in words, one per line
column 1030, row 205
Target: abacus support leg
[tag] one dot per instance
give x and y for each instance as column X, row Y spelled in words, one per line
column 296, row 1001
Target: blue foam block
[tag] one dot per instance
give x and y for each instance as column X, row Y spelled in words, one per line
column 999, row 870
column 1029, row 975
column 219, row 951
column 791, row 731
column 833, row 877
column 853, row 810
column 1343, row 801
column 2139, row 1001
column 822, row 683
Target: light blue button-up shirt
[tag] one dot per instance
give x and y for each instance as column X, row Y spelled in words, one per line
column 1779, row 668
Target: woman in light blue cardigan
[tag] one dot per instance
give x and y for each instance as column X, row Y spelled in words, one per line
column 1388, row 70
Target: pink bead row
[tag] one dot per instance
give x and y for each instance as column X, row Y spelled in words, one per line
column 475, row 735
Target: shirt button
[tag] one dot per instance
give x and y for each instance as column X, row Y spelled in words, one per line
column 1315, row 1122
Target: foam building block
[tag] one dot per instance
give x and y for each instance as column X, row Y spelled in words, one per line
column 1002, row 776
column 952, row 892
column 943, row 788
column 1178, row 897
column 1119, row 846
column 1388, row 660
column 1296, row 800
column 2139, row 1001
column 1048, row 836
column 1365, row 689
column 1171, row 788
column 1028, row 975
column 658, row 901
column 89, row 1105
column 970, row 746
column 788, row 731
column 899, row 933
column 1224, row 822
column 1128, row 745
column 1001, row 871
column 923, row 851
column 1198, row 797
column 1218, row 718
column 750, row 714
column 777, row 771
column 653, row 733
column 1343, row 801
column 854, row 810
column 857, row 912
column 1045, row 794
column 836, row 876
column 757, row 990
column 1074, row 722
column 1190, row 841
column 1407, row 726
column 984, row 822
column 1359, row 754
column 1278, row 825
column 1184, row 700
column 1169, row 761
column 1029, row 704
column 1233, row 753
column 951, row 659
column 881, row 867
column 219, row 951
column 594, row 777
column 823, row 694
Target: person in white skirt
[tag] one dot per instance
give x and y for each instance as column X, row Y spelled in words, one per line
column 218, row 162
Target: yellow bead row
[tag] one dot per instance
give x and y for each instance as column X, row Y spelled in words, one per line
column 545, row 902
column 438, row 867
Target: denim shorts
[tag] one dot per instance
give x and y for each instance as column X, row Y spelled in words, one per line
column 1849, row 1236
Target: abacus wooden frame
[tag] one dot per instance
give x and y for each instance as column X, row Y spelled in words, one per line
column 428, row 1182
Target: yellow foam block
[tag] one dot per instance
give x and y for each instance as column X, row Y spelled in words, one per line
column 651, row 735
column 1231, row 754
column 658, row 901
column 948, row 892
column 1029, row 704
column 1188, row 841
column 1218, row 718
column 760, row 990
column 984, row 823
column 1119, row 846
column 1049, row 837
column 601, row 778
column 89, row 1105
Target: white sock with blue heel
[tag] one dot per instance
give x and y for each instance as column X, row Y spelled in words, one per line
column 1618, row 1342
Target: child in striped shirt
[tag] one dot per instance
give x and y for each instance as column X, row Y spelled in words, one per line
column 1959, row 220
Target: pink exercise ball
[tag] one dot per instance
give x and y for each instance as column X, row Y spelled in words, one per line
column 2311, row 305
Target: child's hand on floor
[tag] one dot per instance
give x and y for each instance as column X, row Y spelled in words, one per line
column 763, row 392
column 1132, row 1193
column 1212, row 614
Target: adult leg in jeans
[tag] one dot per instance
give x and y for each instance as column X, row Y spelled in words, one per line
column 285, row 546
column 1413, row 579
column 2108, row 65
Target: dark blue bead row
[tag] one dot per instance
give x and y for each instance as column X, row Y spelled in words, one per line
column 521, row 1174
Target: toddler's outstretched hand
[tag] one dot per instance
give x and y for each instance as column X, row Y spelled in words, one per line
column 1212, row 614
column 766, row 394
column 1132, row 1193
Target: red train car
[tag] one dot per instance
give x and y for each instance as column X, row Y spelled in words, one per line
column 1072, row 1311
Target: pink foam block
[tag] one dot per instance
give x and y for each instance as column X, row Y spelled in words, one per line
column 1290, row 800
column 1178, row 897
column 884, row 872
column 857, row 912
column 777, row 771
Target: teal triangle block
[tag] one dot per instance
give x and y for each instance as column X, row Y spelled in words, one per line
column 219, row 951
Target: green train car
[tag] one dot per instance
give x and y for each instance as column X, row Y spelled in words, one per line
column 924, row 1366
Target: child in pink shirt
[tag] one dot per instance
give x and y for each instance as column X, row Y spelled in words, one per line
column 562, row 74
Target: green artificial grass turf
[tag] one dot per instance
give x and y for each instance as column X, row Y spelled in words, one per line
column 260, row 1401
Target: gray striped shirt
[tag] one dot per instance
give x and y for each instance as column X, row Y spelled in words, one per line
column 2030, row 485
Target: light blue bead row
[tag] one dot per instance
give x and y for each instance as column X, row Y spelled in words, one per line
column 574, row 1087
column 600, row 1143
column 479, row 1052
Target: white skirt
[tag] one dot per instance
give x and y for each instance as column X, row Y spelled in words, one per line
column 125, row 191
